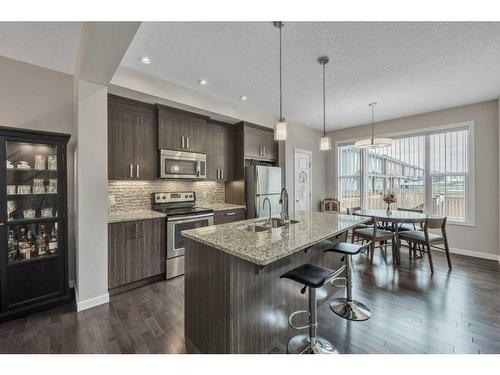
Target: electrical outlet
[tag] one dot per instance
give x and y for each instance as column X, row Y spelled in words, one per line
column 205, row 194
column 111, row 200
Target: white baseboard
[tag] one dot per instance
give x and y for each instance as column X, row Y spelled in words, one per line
column 471, row 253
column 91, row 302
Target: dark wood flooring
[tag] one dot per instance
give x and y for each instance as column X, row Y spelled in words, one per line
column 412, row 312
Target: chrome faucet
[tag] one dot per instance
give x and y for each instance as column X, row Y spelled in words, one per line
column 284, row 204
column 264, row 206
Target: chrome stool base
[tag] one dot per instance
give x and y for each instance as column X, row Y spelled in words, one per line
column 351, row 310
column 301, row 344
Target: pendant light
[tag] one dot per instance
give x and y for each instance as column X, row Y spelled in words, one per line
column 280, row 128
column 325, row 143
column 373, row 142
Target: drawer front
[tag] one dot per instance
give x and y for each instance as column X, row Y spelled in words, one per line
column 229, row 216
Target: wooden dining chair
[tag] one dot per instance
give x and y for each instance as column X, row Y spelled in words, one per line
column 350, row 211
column 410, row 226
column 429, row 240
column 379, row 239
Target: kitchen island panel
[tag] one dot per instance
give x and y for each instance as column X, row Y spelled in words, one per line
column 235, row 306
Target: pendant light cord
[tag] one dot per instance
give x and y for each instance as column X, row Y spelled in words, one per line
column 281, row 79
column 324, row 103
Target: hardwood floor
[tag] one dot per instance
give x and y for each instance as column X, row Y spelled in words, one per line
column 412, row 312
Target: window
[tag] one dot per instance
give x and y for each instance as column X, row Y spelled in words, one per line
column 398, row 168
column 448, row 173
column 349, row 177
column 428, row 170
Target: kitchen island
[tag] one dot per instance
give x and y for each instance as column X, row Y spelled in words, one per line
column 235, row 301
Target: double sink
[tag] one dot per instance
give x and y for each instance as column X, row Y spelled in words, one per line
column 267, row 225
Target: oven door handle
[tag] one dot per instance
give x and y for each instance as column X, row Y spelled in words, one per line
column 187, row 219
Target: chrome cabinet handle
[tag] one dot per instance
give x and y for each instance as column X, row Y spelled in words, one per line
column 182, row 142
column 137, row 170
column 131, row 171
column 187, row 142
column 230, row 213
column 264, row 148
column 222, row 174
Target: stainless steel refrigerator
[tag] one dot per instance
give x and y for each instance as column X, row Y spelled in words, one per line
column 262, row 182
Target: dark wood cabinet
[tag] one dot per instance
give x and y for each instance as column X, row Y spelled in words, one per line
column 218, row 144
column 132, row 140
column 229, row 216
column 259, row 143
column 181, row 130
column 136, row 251
column 33, row 221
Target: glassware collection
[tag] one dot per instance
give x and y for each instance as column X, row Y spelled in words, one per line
column 27, row 242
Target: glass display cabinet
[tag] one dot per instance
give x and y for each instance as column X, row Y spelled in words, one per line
column 33, row 221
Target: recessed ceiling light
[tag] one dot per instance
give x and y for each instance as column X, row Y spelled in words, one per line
column 243, row 98
column 202, row 82
column 145, row 60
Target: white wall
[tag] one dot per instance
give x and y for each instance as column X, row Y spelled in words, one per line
column 32, row 97
column 481, row 239
column 91, row 194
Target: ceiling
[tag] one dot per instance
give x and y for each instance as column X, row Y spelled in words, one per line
column 52, row 45
column 408, row 68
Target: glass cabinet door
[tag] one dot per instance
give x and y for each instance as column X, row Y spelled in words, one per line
column 32, row 187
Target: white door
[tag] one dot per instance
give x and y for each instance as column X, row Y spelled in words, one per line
column 302, row 180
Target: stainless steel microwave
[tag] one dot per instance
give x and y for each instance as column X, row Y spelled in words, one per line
column 180, row 164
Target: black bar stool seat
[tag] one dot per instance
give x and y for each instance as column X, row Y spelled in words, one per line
column 348, row 308
column 311, row 277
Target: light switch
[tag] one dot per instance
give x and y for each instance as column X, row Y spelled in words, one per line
column 111, row 200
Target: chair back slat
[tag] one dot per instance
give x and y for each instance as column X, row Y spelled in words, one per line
column 435, row 222
column 351, row 210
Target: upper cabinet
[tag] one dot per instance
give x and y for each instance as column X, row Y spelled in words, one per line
column 181, row 130
column 218, row 144
column 259, row 143
column 132, row 140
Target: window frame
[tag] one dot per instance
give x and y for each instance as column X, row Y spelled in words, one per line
column 470, row 176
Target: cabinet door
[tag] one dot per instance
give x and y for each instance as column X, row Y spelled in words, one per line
column 136, row 250
column 146, row 152
column 169, row 131
column 195, row 134
column 217, row 146
column 253, row 142
column 121, row 144
column 270, row 146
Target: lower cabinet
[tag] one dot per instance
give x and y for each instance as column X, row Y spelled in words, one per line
column 229, row 216
column 136, row 251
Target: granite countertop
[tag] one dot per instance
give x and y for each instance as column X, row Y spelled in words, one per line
column 220, row 206
column 132, row 215
column 263, row 248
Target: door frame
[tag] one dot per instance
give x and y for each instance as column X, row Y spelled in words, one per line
column 301, row 150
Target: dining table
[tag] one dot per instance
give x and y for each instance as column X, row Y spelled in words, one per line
column 396, row 218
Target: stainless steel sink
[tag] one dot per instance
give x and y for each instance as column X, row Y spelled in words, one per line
column 265, row 225
column 255, row 228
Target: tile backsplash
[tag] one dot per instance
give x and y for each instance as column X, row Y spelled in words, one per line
column 131, row 195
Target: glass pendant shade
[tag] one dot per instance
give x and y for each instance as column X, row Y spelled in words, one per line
column 373, row 143
column 325, row 143
column 280, row 130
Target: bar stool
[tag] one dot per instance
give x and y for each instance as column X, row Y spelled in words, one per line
column 312, row 277
column 348, row 308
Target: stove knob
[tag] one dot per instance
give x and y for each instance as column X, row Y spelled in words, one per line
column 186, row 196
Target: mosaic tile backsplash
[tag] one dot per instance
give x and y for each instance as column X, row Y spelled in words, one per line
column 131, row 195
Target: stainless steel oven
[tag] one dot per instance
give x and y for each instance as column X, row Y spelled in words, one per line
column 176, row 242
column 180, row 164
